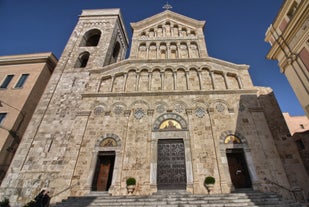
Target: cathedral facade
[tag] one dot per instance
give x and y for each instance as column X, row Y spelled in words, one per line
column 169, row 116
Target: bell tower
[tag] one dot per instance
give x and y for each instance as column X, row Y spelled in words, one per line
column 99, row 39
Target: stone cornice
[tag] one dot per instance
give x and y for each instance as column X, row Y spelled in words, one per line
column 167, row 14
column 48, row 58
column 160, row 62
column 289, row 33
column 170, row 93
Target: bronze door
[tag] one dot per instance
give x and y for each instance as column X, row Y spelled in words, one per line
column 171, row 168
column 238, row 168
column 104, row 172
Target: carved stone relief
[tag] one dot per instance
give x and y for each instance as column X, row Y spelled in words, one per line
column 194, row 50
column 220, row 107
column 142, row 52
column 153, row 52
column 183, row 51
column 139, row 113
column 200, row 112
column 179, row 107
column 98, row 110
column 160, row 108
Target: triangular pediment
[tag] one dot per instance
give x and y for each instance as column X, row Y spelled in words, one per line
column 167, row 16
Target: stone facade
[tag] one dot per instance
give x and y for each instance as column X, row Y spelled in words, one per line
column 101, row 111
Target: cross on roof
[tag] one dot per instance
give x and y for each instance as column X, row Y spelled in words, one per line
column 167, row 6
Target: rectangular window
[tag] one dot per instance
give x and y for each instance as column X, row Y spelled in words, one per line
column 6, row 81
column 304, row 56
column 2, row 117
column 21, row 81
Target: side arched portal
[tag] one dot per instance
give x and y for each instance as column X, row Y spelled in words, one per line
column 237, row 160
column 105, row 162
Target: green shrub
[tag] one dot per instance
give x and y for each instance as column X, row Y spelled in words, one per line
column 209, row 180
column 131, row 181
column 5, row 202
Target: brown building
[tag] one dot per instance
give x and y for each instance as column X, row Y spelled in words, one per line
column 288, row 36
column 22, row 81
column 299, row 129
column 296, row 124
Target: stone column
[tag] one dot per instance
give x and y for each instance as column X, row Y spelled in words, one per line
column 178, row 50
column 212, row 79
column 239, row 82
column 112, row 83
column 175, row 80
column 200, row 79
column 188, row 143
column 168, row 50
column 125, row 77
column 225, row 81
column 188, row 49
column 149, row 81
column 147, row 50
column 158, row 50
column 162, row 80
column 137, row 81
column 187, row 80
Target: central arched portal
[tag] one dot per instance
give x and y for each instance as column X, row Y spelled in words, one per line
column 171, row 165
column 171, row 172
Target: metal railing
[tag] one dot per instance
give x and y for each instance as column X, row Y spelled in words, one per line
column 296, row 194
column 65, row 189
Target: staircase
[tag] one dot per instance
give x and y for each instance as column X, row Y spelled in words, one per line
column 180, row 199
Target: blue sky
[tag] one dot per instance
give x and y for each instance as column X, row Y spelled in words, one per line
column 234, row 31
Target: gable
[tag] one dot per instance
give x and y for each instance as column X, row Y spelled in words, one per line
column 167, row 16
column 168, row 35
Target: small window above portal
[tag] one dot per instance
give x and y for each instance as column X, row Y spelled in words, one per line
column 170, row 124
column 232, row 139
column 108, row 142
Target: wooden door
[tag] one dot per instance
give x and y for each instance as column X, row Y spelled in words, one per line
column 171, row 168
column 104, row 172
column 238, row 168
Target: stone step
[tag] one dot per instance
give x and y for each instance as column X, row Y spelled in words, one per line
column 248, row 198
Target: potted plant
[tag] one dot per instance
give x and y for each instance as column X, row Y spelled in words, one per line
column 209, row 183
column 131, row 182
